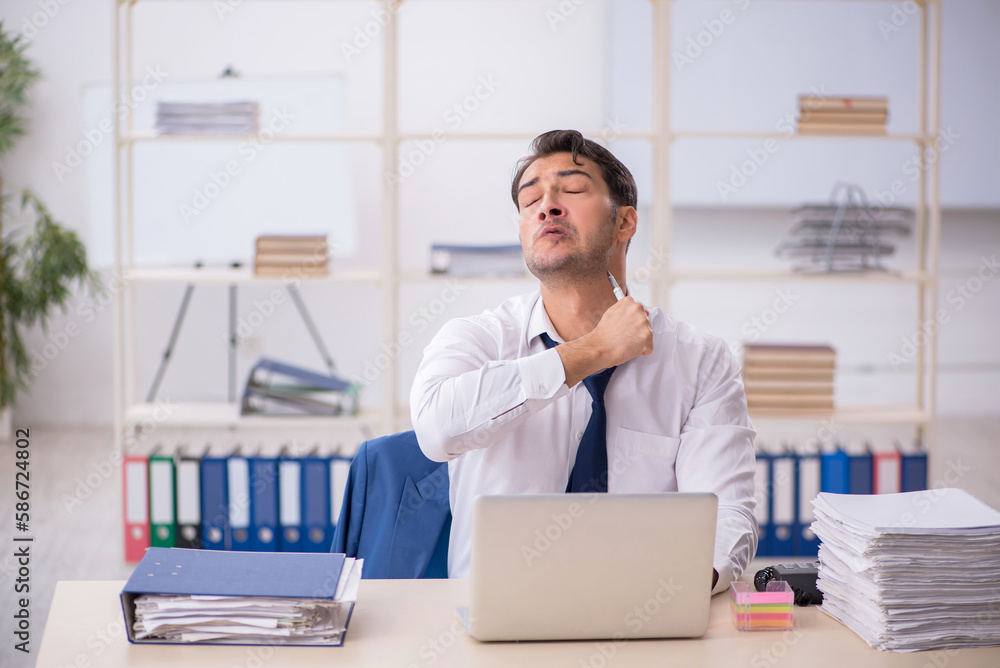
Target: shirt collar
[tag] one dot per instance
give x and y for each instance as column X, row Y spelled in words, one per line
column 539, row 323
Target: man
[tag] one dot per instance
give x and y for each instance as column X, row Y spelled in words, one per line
column 499, row 395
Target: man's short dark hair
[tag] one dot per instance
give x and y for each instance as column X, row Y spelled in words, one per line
column 615, row 174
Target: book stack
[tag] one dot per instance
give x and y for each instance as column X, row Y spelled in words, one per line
column 843, row 115
column 177, row 595
column 787, row 379
column 911, row 571
column 291, row 255
column 276, row 388
column 477, row 260
column 206, row 118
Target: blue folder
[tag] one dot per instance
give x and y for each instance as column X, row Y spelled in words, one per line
column 783, row 503
column 914, row 470
column 340, row 468
column 862, row 468
column 316, row 504
column 263, row 504
column 292, row 535
column 189, row 572
column 835, row 472
column 215, row 532
column 238, row 471
column 808, row 465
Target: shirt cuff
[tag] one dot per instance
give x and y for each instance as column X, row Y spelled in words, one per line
column 542, row 374
column 726, row 576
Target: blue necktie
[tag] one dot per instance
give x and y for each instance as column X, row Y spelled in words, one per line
column 590, row 471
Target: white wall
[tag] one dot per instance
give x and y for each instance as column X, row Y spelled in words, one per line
column 589, row 71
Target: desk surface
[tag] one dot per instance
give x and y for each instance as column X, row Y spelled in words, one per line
column 413, row 624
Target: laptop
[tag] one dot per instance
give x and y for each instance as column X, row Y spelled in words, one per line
column 591, row 566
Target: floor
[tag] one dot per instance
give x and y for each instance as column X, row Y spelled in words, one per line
column 75, row 509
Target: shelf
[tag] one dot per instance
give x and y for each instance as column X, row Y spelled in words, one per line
column 782, row 276
column 851, row 415
column 419, row 276
column 220, row 414
column 241, row 276
column 281, row 137
column 291, row 137
column 606, row 133
column 709, row 134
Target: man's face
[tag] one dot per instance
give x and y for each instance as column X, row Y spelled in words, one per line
column 567, row 218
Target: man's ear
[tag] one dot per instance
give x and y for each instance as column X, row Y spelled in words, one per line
column 625, row 223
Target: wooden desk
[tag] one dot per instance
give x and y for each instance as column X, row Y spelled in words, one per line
column 413, row 624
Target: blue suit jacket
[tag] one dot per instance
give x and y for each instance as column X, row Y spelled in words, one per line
column 396, row 514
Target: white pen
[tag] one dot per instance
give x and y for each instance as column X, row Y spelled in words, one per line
column 619, row 295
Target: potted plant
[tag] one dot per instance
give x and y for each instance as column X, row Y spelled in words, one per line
column 40, row 261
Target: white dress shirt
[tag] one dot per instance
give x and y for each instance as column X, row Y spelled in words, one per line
column 492, row 401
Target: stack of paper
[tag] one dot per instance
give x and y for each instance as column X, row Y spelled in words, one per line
column 911, row 571
column 200, row 118
column 178, row 595
column 477, row 260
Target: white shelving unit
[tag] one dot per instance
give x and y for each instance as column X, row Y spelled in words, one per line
column 388, row 277
column 928, row 213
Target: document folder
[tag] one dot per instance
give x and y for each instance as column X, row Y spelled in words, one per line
column 783, row 506
column 807, row 466
column 835, row 472
column 914, row 469
column 322, row 577
column 238, row 491
column 316, row 504
column 162, row 503
column 188, row 500
column 263, row 504
column 135, row 485
column 292, row 538
column 216, row 533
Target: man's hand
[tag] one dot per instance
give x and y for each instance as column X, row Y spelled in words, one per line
column 622, row 333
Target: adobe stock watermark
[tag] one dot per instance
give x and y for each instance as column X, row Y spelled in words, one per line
column 635, row 620
column 101, row 471
column 219, row 181
column 454, row 117
column 47, row 10
column 94, row 137
column 770, row 656
column 432, row 650
column 712, row 29
column 58, row 339
column 958, row 298
column 267, row 306
column 924, row 502
column 900, row 15
column 758, row 325
column 913, row 166
column 418, row 321
column 369, row 32
column 562, row 523
column 562, row 12
column 757, row 157
column 223, row 8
